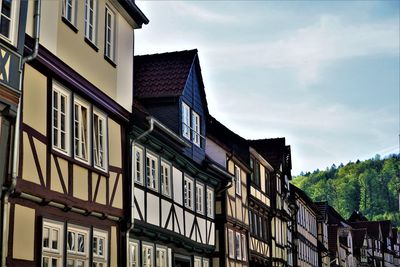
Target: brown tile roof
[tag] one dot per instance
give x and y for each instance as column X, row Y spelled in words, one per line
column 271, row 149
column 162, row 75
column 357, row 216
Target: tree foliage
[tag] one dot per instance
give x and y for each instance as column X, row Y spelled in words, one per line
column 371, row 186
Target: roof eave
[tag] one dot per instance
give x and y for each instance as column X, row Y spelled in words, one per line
column 134, row 11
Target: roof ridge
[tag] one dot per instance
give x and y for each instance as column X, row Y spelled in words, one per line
column 169, row 52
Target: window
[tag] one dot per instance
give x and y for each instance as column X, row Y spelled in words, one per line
column 267, row 182
column 238, row 180
column 244, row 248
column 206, row 263
column 238, row 247
column 133, row 254
column 152, row 171
column 185, row 121
column 109, row 34
column 199, row 198
column 52, row 244
column 231, row 244
column 196, row 128
column 8, row 19
column 61, row 118
column 165, row 178
column 99, row 140
column 197, row 262
column 68, row 10
column 188, row 192
column 138, row 165
column 77, row 247
column 81, row 130
column 147, row 255
column 90, row 20
column 161, row 257
column 99, row 248
column 210, row 202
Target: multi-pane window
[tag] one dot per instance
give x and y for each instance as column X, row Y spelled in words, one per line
column 197, row 262
column 161, row 257
column 77, row 247
column 68, row 10
column 196, row 128
column 238, row 246
column 133, row 254
column 61, row 118
column 199, row 198
column 165, row 178
column 99, row 140
column 185, row 121
column 231, row 244
column 138, row 164
column 206, row 263
column 99, row 248
column 188, row 192
column 152, row 171
column 147, row 255
column 81, row 130
column 109, row 33
column 8, row 18
column 210, row 202
column 90, row 20
column 52, row 244
column 238, row 180
column 244, row 248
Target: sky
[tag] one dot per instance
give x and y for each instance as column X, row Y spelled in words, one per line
column 323, row 74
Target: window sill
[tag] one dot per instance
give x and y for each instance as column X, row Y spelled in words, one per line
column 109, row 60
column 69, row 24
column 91, row 44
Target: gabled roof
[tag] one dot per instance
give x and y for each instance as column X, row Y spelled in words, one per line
column 322, row 207
column 371, row 226
column 332, row 238
column 386, row 226
column 357, row 216
column 162, row 75
column 358, row 237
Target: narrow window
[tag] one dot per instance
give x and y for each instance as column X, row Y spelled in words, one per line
column 161, row 257
column 185, row 121
column 165, row 178
column 206, row 263
column 133, row 254
column 99, row 140
column 61, row 119
column 109, row 33
column 196, row 128
column 210, row 202
column 7, row 18
column 90, row 20
column 197, row 262
column 68, row 10
column 81, row 130
column 188, row 192
column 52, row 244
column 138, row 165
column 238, row 247
column 99, row 248
column 152, row 171
column 238, row 180
column 77, row 247
column 199, row 198
column 244, row 248
column 231, row 240
column 147, row 255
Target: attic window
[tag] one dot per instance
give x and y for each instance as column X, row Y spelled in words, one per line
column 191, row 125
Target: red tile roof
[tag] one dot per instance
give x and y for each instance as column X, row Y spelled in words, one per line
column 162, row 75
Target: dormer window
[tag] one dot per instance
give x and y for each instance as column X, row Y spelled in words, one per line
column 191, row 125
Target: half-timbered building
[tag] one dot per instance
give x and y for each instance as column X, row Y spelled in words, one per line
column 396, row 246
column 174, row 184
column 322, row 234
column 66, row 206
column 232, row 216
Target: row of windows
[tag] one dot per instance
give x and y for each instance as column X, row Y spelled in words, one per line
column 306, row 219
column 69, row 12
column 259, row 226
column 79, row 252
column 237, row 245
column 256, row 176
column 87, row 121
column 191, row 125
column 308, row 254
column 158, row 177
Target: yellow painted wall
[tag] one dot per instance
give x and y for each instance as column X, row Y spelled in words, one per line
column 55, row 179
column 118, row 193
column 24, row 233
column 114, row 247
column 80, row 182
column 29, row 170
column 114, row 140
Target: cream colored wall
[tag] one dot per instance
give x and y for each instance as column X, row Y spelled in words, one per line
column 114, row 140
column 80, row 182
column 24, row 233
column 71, row 48
column 114, row 247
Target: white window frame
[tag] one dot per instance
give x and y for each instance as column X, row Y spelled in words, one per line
column 96, row 136
column 188, row 192
column 149, row 247
column 100, row 260
column 152, row 174
column 109, row 37
column 231, row 244
column 238, row 178
column 238, row 246
column 87, row 24
column 206, row 262
column 210, row 202
column 244, row 247
column 199, row 198
column 159, row 250
column 165, row 178
column 138, row 173
column 134, row 253
column 197, row 262
column 72, row 4
column 196, row 127
column 49, row 252
column 61, row 91
column 185, row 120
column 83, row 139
column 14, row 20
column 74, row 254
